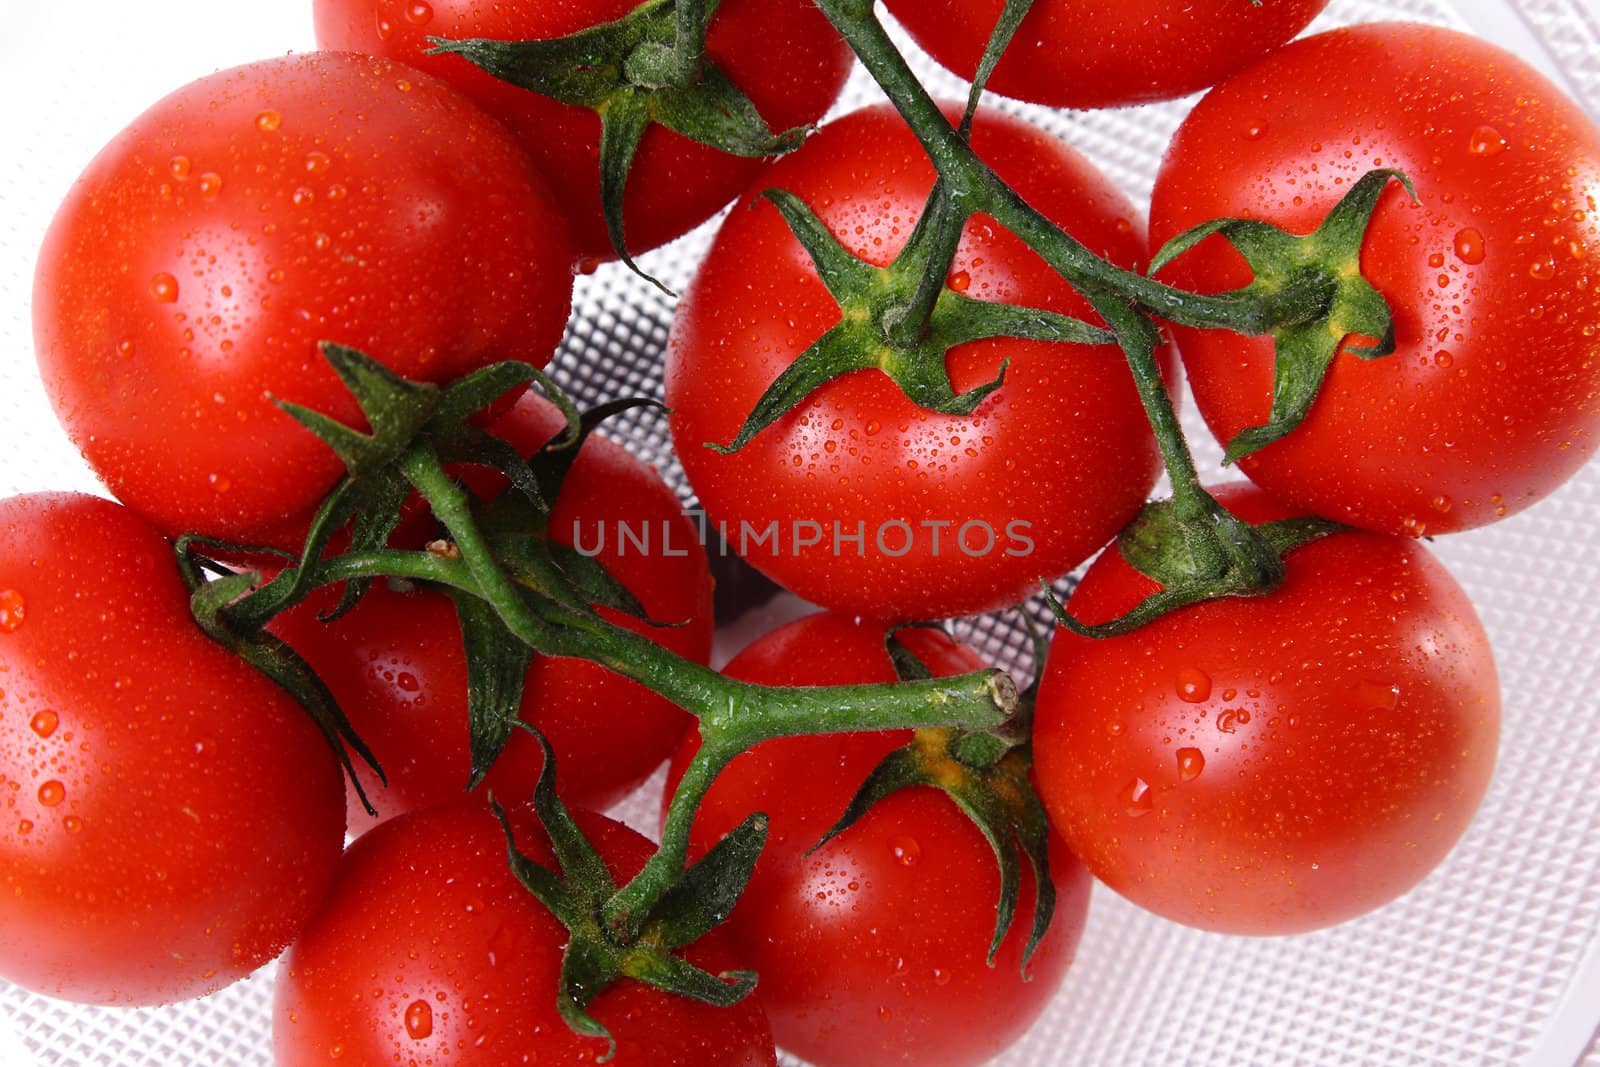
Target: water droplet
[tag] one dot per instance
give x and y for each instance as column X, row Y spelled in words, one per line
column 72, row 824
column 268, row 121
column 1436, row 260
column 12, row 610
column 419, row 13
column 1191, row 761
column 1443, row 358
column 210, row 183
column 1230, row 720
column 1255, row 131
column 1194, row 685
column 1486, row 141
column 872, row 427
column 219, row 482
column 960, row 281
column 407, row 682
column 1543, row 268
column 1469, row 246
column 52, row 793
column 587, row 265
column 178, row 167
column 164, row 287
column 25, row 826
column 318, row 162
column 906, row 851
column 1378, row 697
column 884, row 1013
column 44, row 724
column 1136, row 798
column 385, row 28
column 1442, row 503
column 419, row 1020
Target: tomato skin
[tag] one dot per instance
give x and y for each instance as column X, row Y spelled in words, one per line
column 396, row 665
column 785, row 56
column 1488, row 403
column 171, row 816
column 1061, row 448
column 194, row 267
column 1273, row 764
column 1088, row 53
column 429, row 951
column 872, row 949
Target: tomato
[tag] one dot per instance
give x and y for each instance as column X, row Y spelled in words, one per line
column 872, row 949
column 1272, row 764
column 782, row 53
column 171, row 817
column 396, row 665
column 858, row 500
column 429, row 951
column 1088, row 53
column 1488, row 403
column 194, row 267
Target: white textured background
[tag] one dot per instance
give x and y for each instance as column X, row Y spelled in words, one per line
column 1494, row 960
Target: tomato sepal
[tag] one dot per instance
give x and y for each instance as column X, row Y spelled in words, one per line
column 208, row 603
column 647, row 67
column 1313, row 296
column 593, row 959
column 872, row 333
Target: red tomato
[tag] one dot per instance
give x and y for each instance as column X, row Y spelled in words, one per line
column 196, row 264
column 1488, row 403
column 1089, row 53
column 784, row 55
column 876, row 506
column 396, row 665
column 872, row 949
column 1268, row 765
column 171, row 816
column 428, row 950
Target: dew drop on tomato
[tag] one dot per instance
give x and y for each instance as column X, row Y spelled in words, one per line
column 1136, row 797
column 1486, row 141
column 44, row 723
column 906, row 851
column 1194, row 685
column 52, row 793
column 419, row 14
column 268, row 121
column 12, row 610
column 419, row 1020
column 1191, row 761
column 164, row 287
column 1469, row 246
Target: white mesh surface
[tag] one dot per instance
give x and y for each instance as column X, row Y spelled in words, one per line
column 1494, row 960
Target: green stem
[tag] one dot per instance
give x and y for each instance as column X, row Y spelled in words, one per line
column 926, row 257
column 977, row 188
column 689, row 46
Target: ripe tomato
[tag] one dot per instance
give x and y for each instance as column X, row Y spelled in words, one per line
column 875, row 506
column 1088, row 53
column 396, row 665
column 171, row 817
column 1488, row 403
column 1272, row 764
column 428, row 950
column 872, row 949
column 784, row 55
column 196, row 264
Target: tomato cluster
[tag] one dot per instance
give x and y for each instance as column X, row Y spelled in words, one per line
column 922, row 369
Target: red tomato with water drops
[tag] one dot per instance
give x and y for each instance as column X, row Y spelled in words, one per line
column 429, row 951
column 1089, row 53
column 1488, row 403
column 206, row 251
column 1272, row 764
column 782, row 53
column 876, row 506
column 872, row 949
column 168, row 817
column 396, row 666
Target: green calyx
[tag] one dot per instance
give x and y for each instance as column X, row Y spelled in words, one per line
column 987, row 776
column 1195, row 559
column 901, row 320
column 647, row 67
column 1312, row 297
column 576, row 895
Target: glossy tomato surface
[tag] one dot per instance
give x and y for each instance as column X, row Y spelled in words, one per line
column 1489, row 401
column 782, row 53
column 396, row 665
column 872, row 949
column 1090, row 53
column 429, row 951
column 1272, row 764
column 194, row 267
column 872, row 505
column 170, row 817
